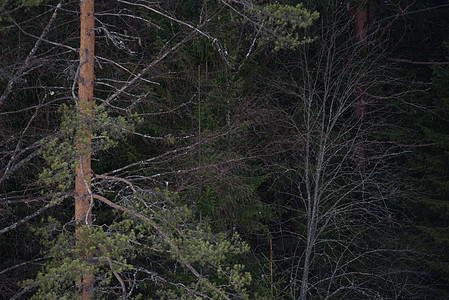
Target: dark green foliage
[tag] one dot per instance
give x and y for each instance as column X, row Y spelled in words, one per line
column 8, row 5
column 166, row 237
column 430, row 164
column 66, row 263
column 283, row 25
column 423, row 117
column 60, row 152
column 203, row 159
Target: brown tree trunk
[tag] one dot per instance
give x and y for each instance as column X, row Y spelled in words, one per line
column 359, row 14
column 362, row 12
column 83, row 197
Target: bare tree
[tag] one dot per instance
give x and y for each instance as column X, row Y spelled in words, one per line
column 334, row 170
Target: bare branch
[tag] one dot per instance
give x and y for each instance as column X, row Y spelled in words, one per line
column 19, row 73
column 425, row 63
column 23, row 220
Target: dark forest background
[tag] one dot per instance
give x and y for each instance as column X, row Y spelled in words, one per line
column 241, row 150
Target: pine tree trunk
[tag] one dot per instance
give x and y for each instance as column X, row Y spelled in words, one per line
column 83, row 197
column 362, row 13
column 359, row 13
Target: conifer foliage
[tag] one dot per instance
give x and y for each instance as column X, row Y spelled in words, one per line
column 231, row 149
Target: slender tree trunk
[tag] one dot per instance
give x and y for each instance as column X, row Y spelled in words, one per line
column 313, row 203
column 83, row 197
column 362, row 12
column 307, row 261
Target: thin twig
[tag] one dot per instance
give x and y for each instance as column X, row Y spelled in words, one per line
column 22, row 68
column 425, row 63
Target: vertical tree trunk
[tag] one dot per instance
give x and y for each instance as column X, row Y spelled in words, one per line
column 83, row 197
column 359, row 13
column 313, row 204
column 362, row 12
column 307, row 261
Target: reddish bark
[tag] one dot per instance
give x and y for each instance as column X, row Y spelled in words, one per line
column 359, row 13
column 83, row 198
column 362, row 12
column 359, row 104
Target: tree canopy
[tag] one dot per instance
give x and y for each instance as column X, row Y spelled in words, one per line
column 238, row 149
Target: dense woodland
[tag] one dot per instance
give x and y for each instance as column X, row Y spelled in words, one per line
column 224, row 149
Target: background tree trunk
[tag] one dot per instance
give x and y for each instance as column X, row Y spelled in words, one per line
column 362, row 13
